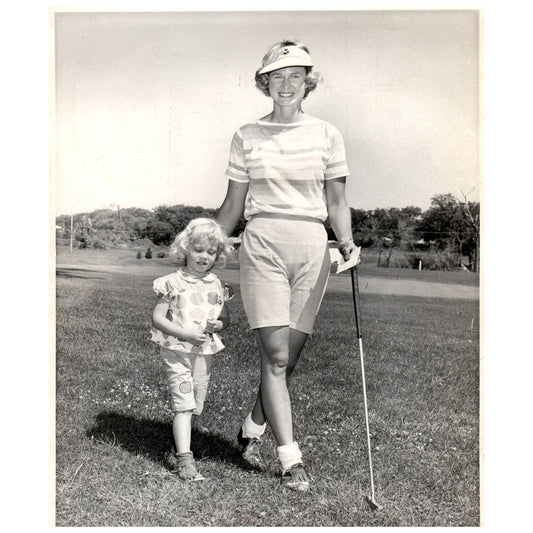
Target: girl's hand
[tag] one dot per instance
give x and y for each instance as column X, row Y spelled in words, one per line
column 195, row 337
column 212, row 326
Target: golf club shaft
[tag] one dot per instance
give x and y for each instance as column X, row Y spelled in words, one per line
column 357, row 309
column 366, row 417
column 356, row 304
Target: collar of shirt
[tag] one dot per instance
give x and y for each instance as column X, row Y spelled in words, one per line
column 193, row 279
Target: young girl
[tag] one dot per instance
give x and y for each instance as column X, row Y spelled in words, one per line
column 188, row 314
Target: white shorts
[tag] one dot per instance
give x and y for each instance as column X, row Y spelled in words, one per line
column 284, row 269
column 188, row 376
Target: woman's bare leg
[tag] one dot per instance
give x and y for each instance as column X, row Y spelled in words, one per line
column 297, row 340
column 275, row 344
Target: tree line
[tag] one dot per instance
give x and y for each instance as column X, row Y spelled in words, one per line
column 449, row 225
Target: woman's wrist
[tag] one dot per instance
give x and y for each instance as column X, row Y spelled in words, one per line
column 218, row 325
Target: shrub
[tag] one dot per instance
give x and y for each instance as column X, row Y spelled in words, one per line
column 148, row 254
column 434, row 260
column 98, row 244
column 139, row 255
column 399, row 260
column 161, row 254
column 91, row 242
column 369, row 255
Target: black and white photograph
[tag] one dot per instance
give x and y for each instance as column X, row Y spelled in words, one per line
column 267, row 250
column 269, row 264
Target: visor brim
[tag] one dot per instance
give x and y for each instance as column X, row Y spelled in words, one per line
column 286, row 62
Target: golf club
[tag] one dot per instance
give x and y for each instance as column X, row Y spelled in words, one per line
column 355, row 293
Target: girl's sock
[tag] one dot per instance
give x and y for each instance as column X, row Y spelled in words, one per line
column 289, row 455
column 251, row 430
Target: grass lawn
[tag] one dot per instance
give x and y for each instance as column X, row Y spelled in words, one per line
column 113, row 419
column 126, row 257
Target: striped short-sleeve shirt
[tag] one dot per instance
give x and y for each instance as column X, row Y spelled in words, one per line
column 286, row 166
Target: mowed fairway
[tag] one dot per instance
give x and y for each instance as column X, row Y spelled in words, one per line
column 113, row 419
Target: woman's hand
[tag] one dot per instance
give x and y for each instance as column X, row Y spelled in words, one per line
column 346, row 248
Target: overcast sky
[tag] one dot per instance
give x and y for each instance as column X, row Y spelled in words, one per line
column 147, row 103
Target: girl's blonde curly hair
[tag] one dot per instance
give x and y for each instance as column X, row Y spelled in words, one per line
column 201, row 229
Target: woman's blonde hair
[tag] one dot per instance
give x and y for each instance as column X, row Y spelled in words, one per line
column 201, row 229
column 312, row 79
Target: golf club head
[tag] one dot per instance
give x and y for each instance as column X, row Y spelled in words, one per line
column 372, row 503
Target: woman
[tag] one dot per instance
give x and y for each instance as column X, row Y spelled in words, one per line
column 287, row 173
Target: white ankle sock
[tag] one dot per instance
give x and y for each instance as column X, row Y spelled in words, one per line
column 251, row 430
column 289, row 455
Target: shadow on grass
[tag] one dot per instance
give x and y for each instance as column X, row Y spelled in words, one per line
column 153, row 439
column 77, row 273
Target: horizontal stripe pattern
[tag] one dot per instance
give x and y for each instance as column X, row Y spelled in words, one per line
column 286, row 165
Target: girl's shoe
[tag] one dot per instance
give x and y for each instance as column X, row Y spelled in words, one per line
column 250, row 451
column 295, row 478
column 186, row 467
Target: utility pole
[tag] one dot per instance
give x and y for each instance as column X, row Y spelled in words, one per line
column 71, row 232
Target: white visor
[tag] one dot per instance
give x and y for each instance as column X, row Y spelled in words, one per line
column 288, row 56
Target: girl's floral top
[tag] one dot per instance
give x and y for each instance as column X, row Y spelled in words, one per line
column 192, row 301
